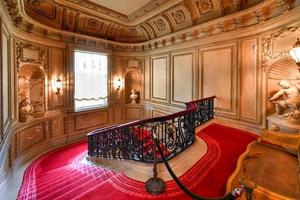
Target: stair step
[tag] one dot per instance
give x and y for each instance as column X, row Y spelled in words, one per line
column 57, row 177
column 54, row 175
column 89, row 191
column 58, row 170
column 69, row 181
column 73, row 185
column 61, row 181
column 80, row 189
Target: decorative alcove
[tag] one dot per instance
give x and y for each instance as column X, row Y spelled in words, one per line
column 132, row 82
column 280, row 119
column 133, row 79
column 31, row 83
column 32, row 79
column 277, row 65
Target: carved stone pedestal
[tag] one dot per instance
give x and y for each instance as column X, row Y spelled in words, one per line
column 280, row 124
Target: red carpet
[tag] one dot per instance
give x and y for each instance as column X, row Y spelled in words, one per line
column 60, row 174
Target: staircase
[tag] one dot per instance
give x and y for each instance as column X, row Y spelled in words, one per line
column 134, row 140
column 67, row 182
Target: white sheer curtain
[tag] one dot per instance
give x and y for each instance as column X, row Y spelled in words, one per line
column 90, row 80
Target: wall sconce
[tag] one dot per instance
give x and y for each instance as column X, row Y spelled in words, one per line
column 118, row 84
column 58, row 86
column 295, row 53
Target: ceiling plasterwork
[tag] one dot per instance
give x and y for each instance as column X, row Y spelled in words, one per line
column 185, row 21
column 184, row 14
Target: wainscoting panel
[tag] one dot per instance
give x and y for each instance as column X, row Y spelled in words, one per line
column 133, row 112
column 31, row 136
column 157, row 113
column 117, row 114
column 219, row 76
column 160, row 79
column 249, row 85
column 57, row 126
column 91, row 119
column 182, row 70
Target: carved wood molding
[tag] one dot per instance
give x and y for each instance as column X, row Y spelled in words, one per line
column 40, row 60
column 133, row 63
column 154, row 37
column 13, row 11
column 268, row 53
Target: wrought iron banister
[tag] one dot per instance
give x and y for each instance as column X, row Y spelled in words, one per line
column 134, row 140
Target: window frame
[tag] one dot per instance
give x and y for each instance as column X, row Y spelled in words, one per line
column 91, row 108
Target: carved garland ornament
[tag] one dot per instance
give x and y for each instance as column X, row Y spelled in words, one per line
column 42, row 55
column 13, row 11
column 134, row 63
column 267, row 43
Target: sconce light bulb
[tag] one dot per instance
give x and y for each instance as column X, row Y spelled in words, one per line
column 118, row 84
column 58, row 86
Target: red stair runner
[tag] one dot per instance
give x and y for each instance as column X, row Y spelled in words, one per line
column 60, row 174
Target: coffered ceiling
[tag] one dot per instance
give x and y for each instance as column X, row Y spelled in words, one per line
column 123, row 7
column 130, row 21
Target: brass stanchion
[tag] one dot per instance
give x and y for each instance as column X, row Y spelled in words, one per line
column 155, row 185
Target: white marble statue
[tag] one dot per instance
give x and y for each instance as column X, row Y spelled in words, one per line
column 289, row 107
column 133, row 96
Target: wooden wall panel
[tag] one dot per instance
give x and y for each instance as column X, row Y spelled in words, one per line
column 219, row 68
column 57, row 69
column 147, row 79
column 5, row 78
column 248, row 84
column 182, row 69
column 133, row 112
column 31, row 136
column 57, row 126
column 157, row 113
column 91, row 119
column 160, row 79
column 116, row 72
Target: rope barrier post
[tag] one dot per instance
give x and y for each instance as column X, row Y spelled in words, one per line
column 155, row 185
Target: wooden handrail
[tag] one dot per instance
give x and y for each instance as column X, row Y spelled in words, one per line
column 191, row 107
column 134, row 140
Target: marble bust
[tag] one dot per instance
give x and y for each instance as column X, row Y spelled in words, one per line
column 289, row 106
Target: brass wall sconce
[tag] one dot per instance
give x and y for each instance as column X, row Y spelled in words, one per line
column 295, row 53
column 118, row 84
column 58, row 86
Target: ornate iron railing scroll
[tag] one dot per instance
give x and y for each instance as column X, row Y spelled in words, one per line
column 134, row 140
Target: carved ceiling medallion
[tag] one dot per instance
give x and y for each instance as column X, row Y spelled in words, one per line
column 205, row 6
column 160, row 24
column 179, row 16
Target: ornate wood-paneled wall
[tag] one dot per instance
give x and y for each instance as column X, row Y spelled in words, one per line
column 230, row 70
